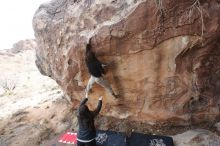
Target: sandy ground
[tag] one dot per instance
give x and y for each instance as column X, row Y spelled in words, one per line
column 31, row 88
column 33, row 107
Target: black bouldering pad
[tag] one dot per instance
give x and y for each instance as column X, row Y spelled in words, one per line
column 110, row 138
column 149, row 140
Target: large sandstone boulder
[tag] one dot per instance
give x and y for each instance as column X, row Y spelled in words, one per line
column 164, row 55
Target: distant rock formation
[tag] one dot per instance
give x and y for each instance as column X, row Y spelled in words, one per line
column 165, row 55
column 28, row 44
column 20, row 46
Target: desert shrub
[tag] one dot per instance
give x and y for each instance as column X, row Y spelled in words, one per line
column 8, row 84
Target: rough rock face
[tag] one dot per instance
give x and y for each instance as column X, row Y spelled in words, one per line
column 164, row 55
column 198, row 137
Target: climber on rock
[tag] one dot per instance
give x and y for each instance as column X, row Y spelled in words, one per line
column 87, row 132
column 95, row 68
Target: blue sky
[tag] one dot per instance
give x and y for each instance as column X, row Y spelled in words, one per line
column 16, row 20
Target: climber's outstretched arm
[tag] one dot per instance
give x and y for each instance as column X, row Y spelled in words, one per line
column 98, row 108
column 83, row 101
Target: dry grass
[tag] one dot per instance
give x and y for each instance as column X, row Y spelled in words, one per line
column 8, row 84
column 197, row 6
column 160, row 11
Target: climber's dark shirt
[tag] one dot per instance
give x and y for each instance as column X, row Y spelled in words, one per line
column 94, row 66
column 87, row 129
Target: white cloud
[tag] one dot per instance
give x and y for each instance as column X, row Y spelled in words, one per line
column 16, row 20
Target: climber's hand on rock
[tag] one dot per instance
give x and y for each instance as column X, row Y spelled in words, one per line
column 104, row 65
column 100, row 98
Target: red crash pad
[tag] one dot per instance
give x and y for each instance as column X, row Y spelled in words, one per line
column 68, row 138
